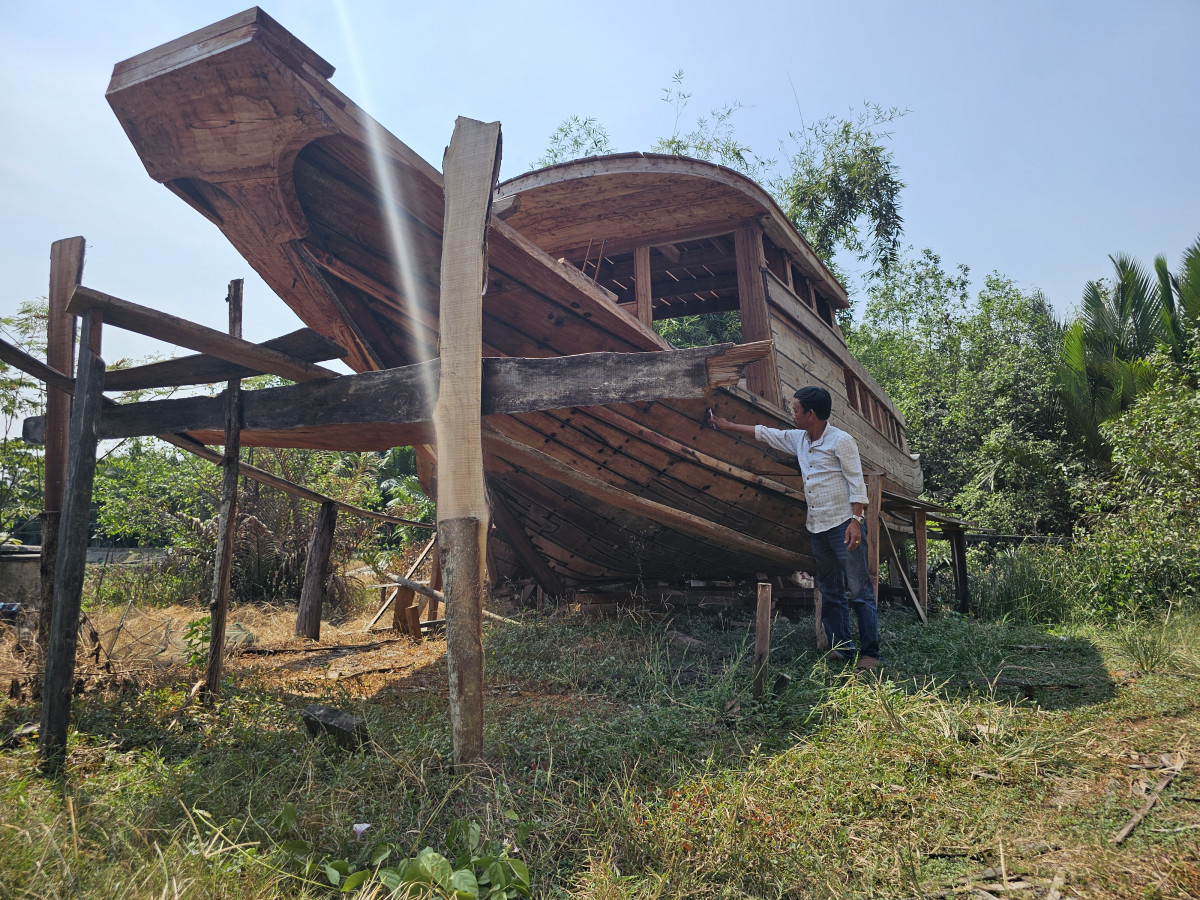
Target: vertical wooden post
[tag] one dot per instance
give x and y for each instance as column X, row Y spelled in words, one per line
column 822, row 635
column 958, row 556
column 400, row 605
column 762, row 377
column 641, row 284
column 921, row 535
column 413, row 613
column 470, row 168
column 308, row 619
column 218, row 605
column 874, row 524
column 72, row 542
column 66, row 270
column 762, row 638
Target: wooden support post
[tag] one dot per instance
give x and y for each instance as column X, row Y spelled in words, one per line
column 762, row 638
column 66, row 270
column 874, row 524
column 922, row 538
column 822, row 635
column 762, row 378
column 641, row 285
column 404, row 599
column 413, row 614
column 904, row 575
column 958, row 556
column 470, row 168
column 312, row 595
column 218, row 605
column 72, row 542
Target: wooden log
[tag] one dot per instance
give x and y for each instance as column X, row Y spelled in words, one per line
column 166, row 327
column 641, row 285
column 921, row 534
column 66, row 270
column 404, row 395
column 874, row 524
column 202, row 368
column 542, row 464
column 312, row 595
column 72, row 542
column 762, row 638
column 218, row 605
column 514, row 535
column 403, row 600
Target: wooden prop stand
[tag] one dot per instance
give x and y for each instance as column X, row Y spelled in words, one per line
column 958, row 557
column 762, row 638
column 874, row 524
column 73, row 541
column 470, row 168
column 218, row 606
column 66, row 270
column 312, row 595
column 404, row 599
column 921, row 535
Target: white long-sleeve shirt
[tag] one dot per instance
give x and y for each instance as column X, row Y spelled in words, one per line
column 832, row 471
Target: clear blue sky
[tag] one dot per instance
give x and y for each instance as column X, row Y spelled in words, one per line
column 1042, row 136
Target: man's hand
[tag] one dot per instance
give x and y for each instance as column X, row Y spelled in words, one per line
column 719, row 424
column 853, row 534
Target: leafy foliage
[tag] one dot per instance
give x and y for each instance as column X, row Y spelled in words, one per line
column 576, row 138
column 702, row 331
column 974, row 379
column 21, row 466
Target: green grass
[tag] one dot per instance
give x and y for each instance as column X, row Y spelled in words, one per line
column 644, row 771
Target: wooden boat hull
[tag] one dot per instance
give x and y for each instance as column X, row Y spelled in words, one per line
column 344, row 222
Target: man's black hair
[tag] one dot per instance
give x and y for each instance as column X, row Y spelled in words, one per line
column 815, row 400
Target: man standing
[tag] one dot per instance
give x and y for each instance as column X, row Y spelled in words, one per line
column 836, row 495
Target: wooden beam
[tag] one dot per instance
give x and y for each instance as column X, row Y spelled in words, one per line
column 958, row 560
column 71, row 562
column 874, row 523
column 404, row 395
column 312, row 594
column 66, row 270
column 546, row 466
column 470, row 169
column 762, row 638
column 172, row 329
column 514, row 535
column 641, row 285
column 201, row 368
column 762, row 378
column 218, row 606
column 921, row 534
column 31, row 365
column 670, row 251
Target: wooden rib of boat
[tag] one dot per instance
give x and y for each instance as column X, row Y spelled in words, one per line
column 344, row 222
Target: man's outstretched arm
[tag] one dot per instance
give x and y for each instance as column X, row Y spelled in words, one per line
column 725, row 425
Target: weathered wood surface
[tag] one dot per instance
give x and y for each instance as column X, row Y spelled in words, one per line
column 172, row 329
column 921, row 536
column 406, row 395
column 763, row 377
column 762, row 638
column 72, row 556
column 218, row 606
column 471, row 165
column 512, row 533
column 316, row 570
column 304, row 344
column 66, row 270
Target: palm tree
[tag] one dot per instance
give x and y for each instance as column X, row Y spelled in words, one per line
column 1180, row 295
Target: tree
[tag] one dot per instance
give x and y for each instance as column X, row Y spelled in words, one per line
column 21, row 465
column 974, row 379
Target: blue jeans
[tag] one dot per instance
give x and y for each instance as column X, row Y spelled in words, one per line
column 843, row 575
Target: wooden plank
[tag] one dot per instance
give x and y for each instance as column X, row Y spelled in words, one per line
column 470, row 169
column 304, row 343
column 412, row 614
column 51, row 377
column 218, row 606
column 166, row 327
column 66, row 269
column 762, row 638
column 404, row 395
column 72, row 541
column 403, row 600
column 761, row 378
column 899, row 566
column 874, row 523
column 514, row 535
column 642, row 286
column 312, row 594
column 542, row 464
column 921, row 533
